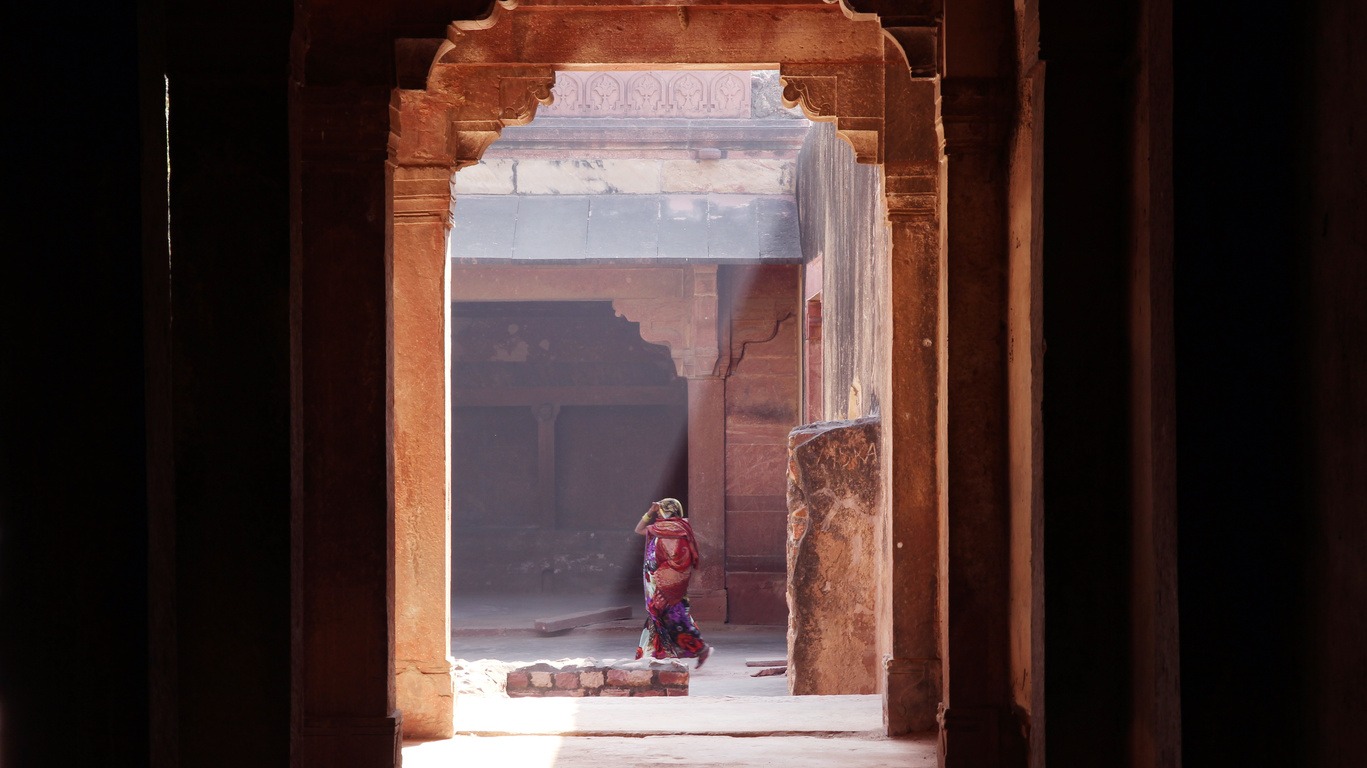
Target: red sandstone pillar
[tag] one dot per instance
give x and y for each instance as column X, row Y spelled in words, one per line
column 342, row 640
column 915, row 431
column 707, row 493
column 419, row 430
column 706, row 443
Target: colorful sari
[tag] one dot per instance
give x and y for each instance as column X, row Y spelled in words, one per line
column 670, row 556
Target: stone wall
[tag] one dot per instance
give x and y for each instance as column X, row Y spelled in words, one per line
column 762, row 389
column 565, row 425
column 842, row 217
column 587, row 677
column 833, row 503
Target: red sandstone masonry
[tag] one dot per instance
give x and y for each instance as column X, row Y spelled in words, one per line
column 546, row 679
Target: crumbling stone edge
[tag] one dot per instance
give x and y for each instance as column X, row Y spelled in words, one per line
column 591, row 677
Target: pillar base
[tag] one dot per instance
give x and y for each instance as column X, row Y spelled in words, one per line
column 426, row 693
column 341, row 742
column 708, row 606
column 970, row 737
column 913, row 695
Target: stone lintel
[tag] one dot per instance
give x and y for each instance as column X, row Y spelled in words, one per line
column 662, row 37
column 608, row 134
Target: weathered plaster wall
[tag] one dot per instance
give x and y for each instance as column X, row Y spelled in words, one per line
column 762, row 386
column 842, row 218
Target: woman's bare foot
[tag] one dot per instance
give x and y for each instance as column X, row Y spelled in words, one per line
column 703, row 654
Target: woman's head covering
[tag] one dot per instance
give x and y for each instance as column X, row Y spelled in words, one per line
column 670, row 508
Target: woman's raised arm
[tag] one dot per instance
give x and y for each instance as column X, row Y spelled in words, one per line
column 648, row 518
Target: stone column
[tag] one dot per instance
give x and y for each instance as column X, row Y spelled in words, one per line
column 342, row 536
column 915, row 426
column 707, row 493
column 420, row 437
column 433, row 133
column 706, row 444
column 546, row 414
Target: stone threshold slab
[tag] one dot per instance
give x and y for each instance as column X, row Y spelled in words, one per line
column 697, row 715
column 673, row 751
column 581, row 618
column 805, row 751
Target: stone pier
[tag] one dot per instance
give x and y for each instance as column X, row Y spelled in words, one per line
column 833, row 482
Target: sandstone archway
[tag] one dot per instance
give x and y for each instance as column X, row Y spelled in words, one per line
column 839, row 66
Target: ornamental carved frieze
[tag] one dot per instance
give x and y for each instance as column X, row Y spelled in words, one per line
column 701, row 94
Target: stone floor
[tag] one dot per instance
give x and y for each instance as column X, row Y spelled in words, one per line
column 729, row 719
column 685, row 751
column 500, row 628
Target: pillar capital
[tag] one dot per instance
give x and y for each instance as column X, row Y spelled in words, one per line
column 421, row 193
column 976, row 113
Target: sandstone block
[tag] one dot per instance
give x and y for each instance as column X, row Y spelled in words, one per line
column 488, row 177
column 615, row 692
column 518, row 680
column 629, row 677
column 833, row 515
column 676, row 691
column 588, row 177
column 566, row 680
column 541, row 679
column 673, row 678
column 648, row 692
column 591, row 678
column 751, row 177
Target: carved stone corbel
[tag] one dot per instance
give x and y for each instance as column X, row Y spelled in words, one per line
column 686, row 324
column 462, row 111
column 851, row 96
column 661, row 321
column 920, row 46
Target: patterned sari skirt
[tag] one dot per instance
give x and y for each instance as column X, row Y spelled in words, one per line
column 669, row 631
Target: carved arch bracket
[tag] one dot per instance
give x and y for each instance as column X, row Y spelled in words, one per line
column 661, row 322
column 851, row 96
column 687, row 323
column 462, row 111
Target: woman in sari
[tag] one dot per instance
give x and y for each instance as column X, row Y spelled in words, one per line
column 670, row 556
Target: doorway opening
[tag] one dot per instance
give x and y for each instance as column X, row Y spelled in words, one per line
column 482, row 81
column 630, row 253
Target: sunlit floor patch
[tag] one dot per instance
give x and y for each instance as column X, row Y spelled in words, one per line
column 685, row 751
